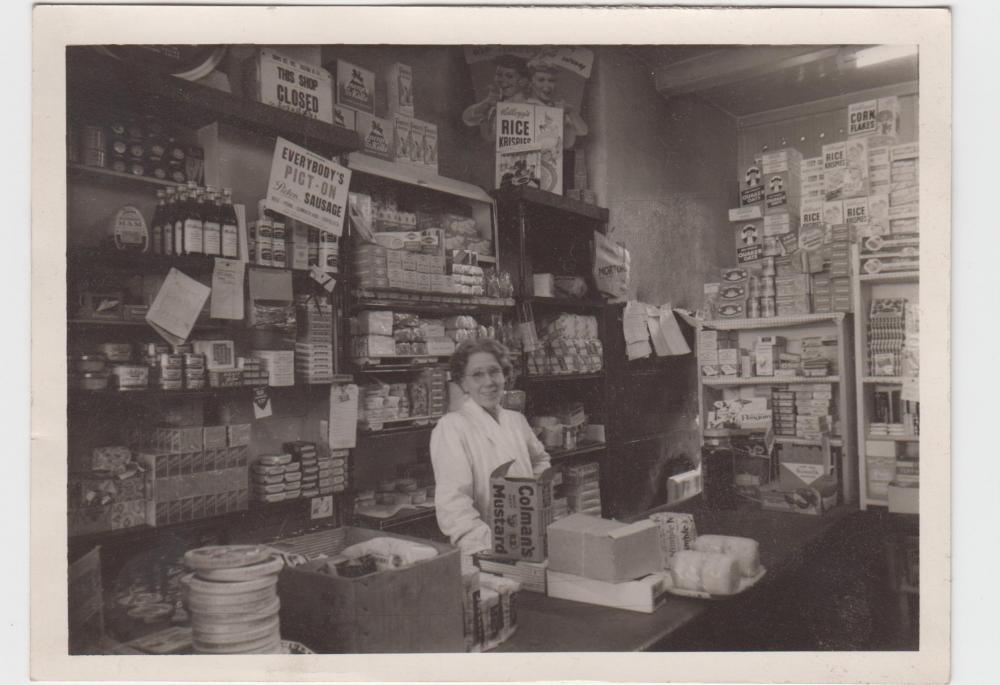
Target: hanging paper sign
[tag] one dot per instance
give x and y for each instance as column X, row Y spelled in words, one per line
column 324, row 278
column 261, row 402
column 307, row 187
column 911, row 390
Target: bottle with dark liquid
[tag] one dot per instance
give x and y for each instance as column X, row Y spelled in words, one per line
column 157, row 222
column 212, row 223
column 194, row 228
column 167, row 228
column 181, row 212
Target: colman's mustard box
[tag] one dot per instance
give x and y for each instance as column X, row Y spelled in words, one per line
column 521, row 511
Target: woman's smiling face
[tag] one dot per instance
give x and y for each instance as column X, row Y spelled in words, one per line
column 483, row 380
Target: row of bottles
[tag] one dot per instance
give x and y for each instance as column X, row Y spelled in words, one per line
column 191, row 220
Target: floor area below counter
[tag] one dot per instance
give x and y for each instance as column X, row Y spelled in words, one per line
column 841, row 597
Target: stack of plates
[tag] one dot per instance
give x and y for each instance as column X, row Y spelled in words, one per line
column 232, row 599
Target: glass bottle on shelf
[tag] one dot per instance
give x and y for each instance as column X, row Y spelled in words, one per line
column 157, row 222
column 194, row 236
column 169, row 215
column 181, row 212
column 211, row 223
column 230, row 234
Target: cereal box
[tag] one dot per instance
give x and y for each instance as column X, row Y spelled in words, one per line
column 355, row 87
column 529, row 146
column 856, row 210
column 833, row 212
column 749, row 241
column 811, row 212
column 781, row 180
column 856, row 168
column 751, row 186
column 861, row 118
column 779, row 224
column 834, row 165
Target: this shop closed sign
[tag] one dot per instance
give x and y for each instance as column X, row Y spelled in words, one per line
column 307, row 187
column 302, row 88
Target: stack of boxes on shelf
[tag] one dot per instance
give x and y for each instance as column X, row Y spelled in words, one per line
column 892, row 416
column 107, row 491
column 314, row 345
column 893, row 338
column 275, row 478
column 569, row 344
column 192, row 472
column 581, row 488
column 720, row 356
column 783, row 403
column 891, row 462
column 814, row 411
column 300, row 471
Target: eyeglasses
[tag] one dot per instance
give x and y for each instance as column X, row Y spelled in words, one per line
column 495, row 373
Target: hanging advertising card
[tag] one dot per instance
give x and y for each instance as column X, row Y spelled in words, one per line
column 307, row 187
column 282, row 82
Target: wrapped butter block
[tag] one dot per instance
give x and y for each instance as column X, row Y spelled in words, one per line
column 746, row 551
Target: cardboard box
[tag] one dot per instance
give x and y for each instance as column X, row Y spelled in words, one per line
column 644, row 595
column 749, row 241
column 780, row 222
column 345, row 117
column 752, row 186
column 522, row 512
column 85, row 595
column 377, row 137
column 398, row 79
column 748, row 213
column 799, row 466
column 280, row 81
column 408, row 610
column 603, row 549
column 904, row 500
column 355, row 87
column 855, row 168
column 815, row 500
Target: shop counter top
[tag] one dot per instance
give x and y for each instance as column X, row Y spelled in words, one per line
column 555, row 625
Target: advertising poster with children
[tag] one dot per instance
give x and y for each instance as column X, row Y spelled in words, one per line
column 548, row 76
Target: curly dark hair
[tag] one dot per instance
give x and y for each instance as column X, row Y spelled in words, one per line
column 460, row 359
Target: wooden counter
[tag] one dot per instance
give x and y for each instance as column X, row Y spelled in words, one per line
column 556, row 625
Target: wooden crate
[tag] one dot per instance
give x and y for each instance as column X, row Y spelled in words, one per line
column 415, row 609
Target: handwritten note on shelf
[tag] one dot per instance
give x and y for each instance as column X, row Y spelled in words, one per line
column 176, row 306
column 227, row 289
column 343, row 425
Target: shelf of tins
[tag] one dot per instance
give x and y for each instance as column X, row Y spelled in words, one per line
column 771, row 322
column 728, row 382
column 98, row 82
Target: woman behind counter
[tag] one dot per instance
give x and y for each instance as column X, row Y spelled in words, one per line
column 469, row 443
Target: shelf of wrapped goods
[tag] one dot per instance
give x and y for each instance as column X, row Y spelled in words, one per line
column 560, row 203
column 398, row 425
column 146, row 262
column 401, row 363
column 579, row 450
column 116, row 177
column 410, row 514
column 436, row 303
column 791, row 440
column 157, row 393
column 893, row 438
column 767, row 380
column 199, row 327
column 566, row 303
column 772, row 322
column 546, row 378
column 416, row 176
column 887, row 380
column 110, row 82
column 891, row 277
column 227, row 521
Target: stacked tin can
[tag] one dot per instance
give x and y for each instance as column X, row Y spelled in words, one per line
column 194, row 371
column 768, row 308
column 232, row 599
